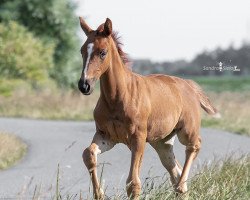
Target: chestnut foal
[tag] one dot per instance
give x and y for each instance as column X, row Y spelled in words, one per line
column 135, row 109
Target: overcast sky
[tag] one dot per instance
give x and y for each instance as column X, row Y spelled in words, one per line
column 169, row 30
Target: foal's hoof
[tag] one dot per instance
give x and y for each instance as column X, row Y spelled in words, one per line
column 181, row 189
column 181, row 192
column 104, row 197
column 100, row 195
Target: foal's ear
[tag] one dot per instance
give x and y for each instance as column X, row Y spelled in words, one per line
column 85, row 26
column 107, row 27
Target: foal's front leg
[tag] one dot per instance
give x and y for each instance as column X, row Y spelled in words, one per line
column 133, row 181
column 100, row 144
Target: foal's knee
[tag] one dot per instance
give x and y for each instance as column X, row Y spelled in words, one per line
column 89, row 158
column 194, row 146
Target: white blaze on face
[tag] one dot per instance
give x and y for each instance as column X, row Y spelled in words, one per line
column 89, row 52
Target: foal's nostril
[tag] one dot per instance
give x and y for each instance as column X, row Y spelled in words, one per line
column 83, row 86
column 86, row 87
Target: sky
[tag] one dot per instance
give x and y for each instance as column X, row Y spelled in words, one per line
column 163, row 30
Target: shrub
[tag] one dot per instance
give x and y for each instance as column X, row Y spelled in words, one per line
column 52, row 21
column 22, row 56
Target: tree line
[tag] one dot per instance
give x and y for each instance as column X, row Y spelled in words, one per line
column 219, row 62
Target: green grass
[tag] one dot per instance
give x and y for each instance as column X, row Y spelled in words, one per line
column 227, row 179
column 234, row 108
column 222, row 84
column 231, row 96
column 12, row 149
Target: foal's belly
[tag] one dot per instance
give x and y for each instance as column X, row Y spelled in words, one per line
column 117, row 131
column 159, row 129
column 161, row 122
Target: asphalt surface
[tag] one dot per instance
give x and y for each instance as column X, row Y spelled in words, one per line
column 61, row 142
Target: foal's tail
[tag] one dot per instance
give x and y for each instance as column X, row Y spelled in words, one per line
column 204, row 100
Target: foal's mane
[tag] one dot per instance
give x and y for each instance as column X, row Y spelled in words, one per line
column 117, row 40
column 118, row 43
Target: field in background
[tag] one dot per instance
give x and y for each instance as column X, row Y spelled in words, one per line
column 224, row 84
column 234, row 108
column 230, row 95
column 12, row 149
column 57, row 105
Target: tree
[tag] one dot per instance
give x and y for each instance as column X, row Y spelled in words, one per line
column 53, row 21
column 27, row 59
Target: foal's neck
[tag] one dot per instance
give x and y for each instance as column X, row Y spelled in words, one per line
column 114, row 82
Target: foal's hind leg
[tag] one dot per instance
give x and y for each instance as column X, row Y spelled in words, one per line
column 99, row 145
column 166, row 154
column 192, row 141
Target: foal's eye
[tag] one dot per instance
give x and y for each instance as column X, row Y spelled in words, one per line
column 103, row 53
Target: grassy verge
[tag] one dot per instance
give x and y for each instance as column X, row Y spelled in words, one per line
column 12, row 149
column 219, row 180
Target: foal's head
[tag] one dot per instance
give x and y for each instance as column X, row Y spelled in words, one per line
column 95, row 54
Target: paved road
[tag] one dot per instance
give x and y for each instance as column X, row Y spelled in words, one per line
column 61, row 142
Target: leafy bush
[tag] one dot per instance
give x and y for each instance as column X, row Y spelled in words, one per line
column 22, row 56
column 52, row 21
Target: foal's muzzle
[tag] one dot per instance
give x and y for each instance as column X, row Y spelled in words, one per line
column 85, row 86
